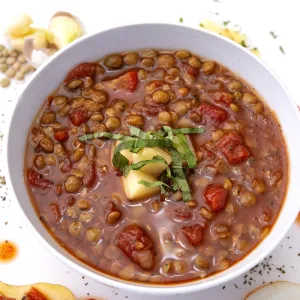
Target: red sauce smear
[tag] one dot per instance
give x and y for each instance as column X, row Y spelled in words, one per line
column 8, row 251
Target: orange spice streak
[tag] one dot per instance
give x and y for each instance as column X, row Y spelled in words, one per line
column 8, row 251
column 298, row 219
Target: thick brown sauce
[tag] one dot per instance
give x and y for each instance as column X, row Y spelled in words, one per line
column 267, row 147
column 8, row 251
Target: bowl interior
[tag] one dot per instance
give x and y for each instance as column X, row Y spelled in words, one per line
column 160, row 36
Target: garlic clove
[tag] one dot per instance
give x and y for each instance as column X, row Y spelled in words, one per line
column 64, row 28
column 20, row 26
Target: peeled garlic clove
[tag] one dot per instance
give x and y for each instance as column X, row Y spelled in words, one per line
column 276, row 291
column 37, row 35
column 64, row 28
column 20, row 26
column 17, row 44
column 36, row 57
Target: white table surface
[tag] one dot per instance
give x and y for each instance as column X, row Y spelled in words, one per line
column 257, row 18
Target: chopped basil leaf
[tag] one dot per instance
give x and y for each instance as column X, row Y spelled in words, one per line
column 154, row 184
column 180, row 176
column 134, row 131
column 180, row 20
column 135, row 150
column 243, row 43
column 189, row 155
column 142, row 163
column 188, row 130
column 91, row 136
column 119, row 161
column 281, row 49
column 274, row 36
column 225, row 23
column 172, row 140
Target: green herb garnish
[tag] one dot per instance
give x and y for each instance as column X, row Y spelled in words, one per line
column 243, row 43
column 142, row 163
column 281, row 49
column 201, row 25
column 274, row 36
column 180, row 20
column 225, row 23
column 172, row 140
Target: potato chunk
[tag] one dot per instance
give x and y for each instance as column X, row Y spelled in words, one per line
column 154, row 169
column 136, row 191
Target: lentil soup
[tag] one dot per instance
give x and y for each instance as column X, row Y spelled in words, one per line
column 156, row 166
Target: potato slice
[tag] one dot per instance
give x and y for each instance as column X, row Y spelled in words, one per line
column 276, row 291
column 154, row 169
column 50, row 291
column 136, row 191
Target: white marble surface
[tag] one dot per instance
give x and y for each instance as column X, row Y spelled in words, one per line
column 257, row 18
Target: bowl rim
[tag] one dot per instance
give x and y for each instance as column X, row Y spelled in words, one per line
column 136, row 287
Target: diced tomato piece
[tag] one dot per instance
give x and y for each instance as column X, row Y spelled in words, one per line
column 229, row 139
column 35, row 294
column 61, row 135
column 6, row 298
column 158, row 83
column 223, row 97
column 90, row 175
column 154, row 110
column 83, row 70
column 78, row 116
column 56, row 211
column 70, row 200
column 215, row 196
column 36, row 179
column 49, row 101
column 232, row 147
column 193, row 233
column 137, row 245
column 127, row 82
column 211, row 112
column 192, row 70
column 58, row 190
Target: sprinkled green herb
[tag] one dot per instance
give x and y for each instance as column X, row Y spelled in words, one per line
column 180, row 20
column 225, row 23
column 274, row 36
column 243, row 43
column 281, row 49
column 2, row 180
column 201, row 25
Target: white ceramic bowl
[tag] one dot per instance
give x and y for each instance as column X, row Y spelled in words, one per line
column 92, row 47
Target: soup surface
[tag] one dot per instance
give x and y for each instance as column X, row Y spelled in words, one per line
column 156, row 204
